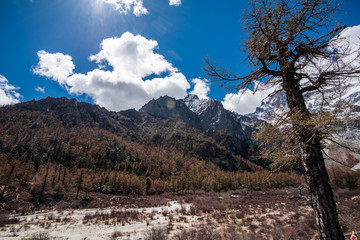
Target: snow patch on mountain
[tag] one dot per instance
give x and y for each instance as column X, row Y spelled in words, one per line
column 196, row 104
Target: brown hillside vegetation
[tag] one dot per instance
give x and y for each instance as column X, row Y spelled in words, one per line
column 53, row 145
column 60, row 143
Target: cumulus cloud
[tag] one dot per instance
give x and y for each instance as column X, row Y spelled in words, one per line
column 54, row 65
column 137, row 74
column 132, row 55
column 126, row 6
column 246, row 101
column 175, row 2
column 8, row 94
column 201, row 88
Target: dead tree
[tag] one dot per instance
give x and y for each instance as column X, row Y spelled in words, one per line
column 292, row 45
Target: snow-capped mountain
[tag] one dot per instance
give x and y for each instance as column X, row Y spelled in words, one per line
column 214, row 116
column 350, row 96
column 227, row 128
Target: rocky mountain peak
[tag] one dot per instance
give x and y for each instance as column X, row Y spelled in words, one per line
column 214, row 116
column 168, row 107
column 198, row 105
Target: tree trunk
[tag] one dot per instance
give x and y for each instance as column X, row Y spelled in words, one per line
column 316, row 175
column 42, row 190
column 79, row 185
column 8, row 180
column 322, row 198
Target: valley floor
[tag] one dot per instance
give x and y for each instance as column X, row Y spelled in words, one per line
column 242, row 214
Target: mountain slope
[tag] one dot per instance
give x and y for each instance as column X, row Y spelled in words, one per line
column 73, row 134
column 167, row 107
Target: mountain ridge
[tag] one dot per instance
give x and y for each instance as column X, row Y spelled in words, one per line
column 160, row 120
column 132, row 126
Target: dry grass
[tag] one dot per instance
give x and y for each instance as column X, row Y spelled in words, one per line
column 280, row 214
column 207, row 204
column 116, row 216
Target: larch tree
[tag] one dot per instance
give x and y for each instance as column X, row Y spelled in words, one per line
column 10, row 174
column 296, row 46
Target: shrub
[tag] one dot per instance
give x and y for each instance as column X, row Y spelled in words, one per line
column 156, row 234
column 40, row 236
column 4, row 219
column 115, row 235
column 203, row 232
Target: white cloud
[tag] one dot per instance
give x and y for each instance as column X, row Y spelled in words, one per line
column 129, row 84
column 40, row 89
column 133, row 56
column 135, row 7
column 126, row 6
column 201, row 88
column 247, row 101
column 242, row 103
column 175, row 2
column 8, row 94
column 54, row 65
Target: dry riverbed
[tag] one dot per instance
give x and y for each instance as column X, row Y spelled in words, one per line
column 276, row 214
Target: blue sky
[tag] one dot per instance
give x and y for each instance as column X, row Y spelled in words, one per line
column 118, row 56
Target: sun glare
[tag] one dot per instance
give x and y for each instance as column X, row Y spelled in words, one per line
column 97, row 6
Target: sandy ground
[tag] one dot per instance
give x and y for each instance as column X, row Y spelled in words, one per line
column 71, row 224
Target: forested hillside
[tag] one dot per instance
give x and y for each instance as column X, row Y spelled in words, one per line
column 54, row 145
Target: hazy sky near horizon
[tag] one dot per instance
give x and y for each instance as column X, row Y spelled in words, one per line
column 122, row 53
